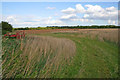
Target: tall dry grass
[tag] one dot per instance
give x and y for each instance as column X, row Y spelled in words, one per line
column 101, row 34
column 53, row 53
column 111, row 35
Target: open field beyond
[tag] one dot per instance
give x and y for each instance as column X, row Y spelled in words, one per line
column 62, row 53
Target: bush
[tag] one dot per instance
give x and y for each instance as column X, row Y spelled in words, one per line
column 6, row 27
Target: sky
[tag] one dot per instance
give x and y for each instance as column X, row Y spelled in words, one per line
column 34, row 14
column 60, row 0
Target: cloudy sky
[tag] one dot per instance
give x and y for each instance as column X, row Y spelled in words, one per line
column 34, row 14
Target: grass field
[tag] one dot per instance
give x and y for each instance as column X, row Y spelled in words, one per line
column 86, row 53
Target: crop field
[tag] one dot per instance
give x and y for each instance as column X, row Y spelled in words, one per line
column 62, row 53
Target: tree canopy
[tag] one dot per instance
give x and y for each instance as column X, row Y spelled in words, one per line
column 6, row 27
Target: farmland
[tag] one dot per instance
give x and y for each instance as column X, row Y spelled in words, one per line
column 62, row 53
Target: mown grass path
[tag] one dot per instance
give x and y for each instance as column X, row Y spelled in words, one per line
column 94, row 59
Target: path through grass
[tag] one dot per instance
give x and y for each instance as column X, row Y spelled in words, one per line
column 92, row 59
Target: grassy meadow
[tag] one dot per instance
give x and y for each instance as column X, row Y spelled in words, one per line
column 62, row 53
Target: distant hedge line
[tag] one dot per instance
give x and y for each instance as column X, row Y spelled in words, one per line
column 69, row 27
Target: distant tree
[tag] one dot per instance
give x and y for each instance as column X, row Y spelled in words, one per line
column 6, row 27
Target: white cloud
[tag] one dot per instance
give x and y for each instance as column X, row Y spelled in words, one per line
column 74, row 17
column 54, row 22
column 99, row 13
column 93, row 8
column 92, row 12
column 68, row 10
column 51, row 8
column 111, row 8
column 86, row 15
column 70, row 16
column 109, row 21
column 112, row 22
column 82, row 20
column 79, row 8
column 33, row 21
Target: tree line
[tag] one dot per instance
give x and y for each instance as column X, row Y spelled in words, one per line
column 69, row 27
column 6, row 27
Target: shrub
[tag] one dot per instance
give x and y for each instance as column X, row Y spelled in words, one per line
column 6, row 27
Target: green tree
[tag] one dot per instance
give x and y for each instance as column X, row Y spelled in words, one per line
column 6, row 27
